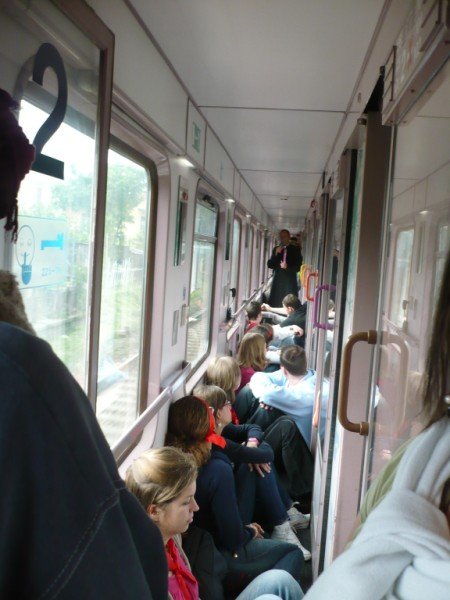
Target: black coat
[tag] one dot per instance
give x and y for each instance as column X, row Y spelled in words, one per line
column 69, row 528
column 284, row 280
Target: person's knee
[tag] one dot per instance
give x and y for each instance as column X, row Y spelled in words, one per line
column 279, row 582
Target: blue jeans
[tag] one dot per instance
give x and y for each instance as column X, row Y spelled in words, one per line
column 272, row 584
column 259, row 556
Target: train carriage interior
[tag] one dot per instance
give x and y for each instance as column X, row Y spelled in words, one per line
column 177, row 143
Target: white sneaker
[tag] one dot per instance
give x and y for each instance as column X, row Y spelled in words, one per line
column 297, row 519
column 284, row 533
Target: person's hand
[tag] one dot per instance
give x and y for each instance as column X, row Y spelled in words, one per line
column 266, row 307
column 261, row 468
column 297, row 330
column 253, row 444
column 278, row 249
column 265, row 406
column 259, row 531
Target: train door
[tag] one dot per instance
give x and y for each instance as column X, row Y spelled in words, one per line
column 357, row 220
column 329, row 298
column 394, row 262
column 417, row 241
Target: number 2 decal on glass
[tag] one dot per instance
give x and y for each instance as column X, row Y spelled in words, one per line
column 48, row 57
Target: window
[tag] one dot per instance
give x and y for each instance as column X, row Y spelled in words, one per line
column 202, row 281
column 123, row 281
column 52, row 255
column 234, row 277
column 249, row 261
column 401, row 274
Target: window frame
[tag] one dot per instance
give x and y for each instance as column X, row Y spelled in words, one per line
column 399, row 230
column 94, row 29
column 236, row 219
column 204, row 238
column 250, row 247
column 123, row 148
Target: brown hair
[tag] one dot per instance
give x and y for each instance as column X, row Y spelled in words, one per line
column 253, row 310
column 224, row 371
column 437, row 370
column 160, row 475
column 293, row 359
column 252, row 351
column 266, row 330
column 292, row 301
column 213, row 395
column 187, row 427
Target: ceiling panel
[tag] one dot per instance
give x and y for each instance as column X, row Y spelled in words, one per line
column 282, row 184
column 294, row 202
column 261, row 53
column 276, row 139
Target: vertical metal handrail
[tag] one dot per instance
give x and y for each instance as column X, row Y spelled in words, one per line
column 370, row 337
column 308, row 279
column 316, row 323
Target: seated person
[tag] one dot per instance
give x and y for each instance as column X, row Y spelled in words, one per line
column 86, row 535
column 293, row 312
column 228, row 505
column 224, row 372
column 254, row 315
column 280, row 334
column 272, row 353
column 248, row 444
column 251, row 356
column 164, row 482
column 290, row 390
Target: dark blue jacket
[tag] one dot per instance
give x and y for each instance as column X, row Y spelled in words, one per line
column 238, row 453
column 69, row 528
column 216, row 497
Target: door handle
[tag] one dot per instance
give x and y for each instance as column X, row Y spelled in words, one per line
column 370, row 337
column 308, row 279
column 328, row 288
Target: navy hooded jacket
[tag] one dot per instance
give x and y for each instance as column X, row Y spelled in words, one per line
column 68, row 527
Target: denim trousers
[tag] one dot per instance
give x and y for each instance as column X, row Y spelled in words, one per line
column 272, row 584
column 259, row 556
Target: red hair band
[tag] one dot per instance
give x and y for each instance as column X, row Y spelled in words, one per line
column 212, row 436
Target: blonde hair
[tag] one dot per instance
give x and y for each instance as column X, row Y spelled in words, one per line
column 213, row 395
column 224, row 371
column 160, row 475
column 252, row 351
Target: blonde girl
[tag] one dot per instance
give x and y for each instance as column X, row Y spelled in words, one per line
column 164, row 482
column 224, row 372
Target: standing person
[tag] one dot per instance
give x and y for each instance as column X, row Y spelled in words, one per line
column 285, row 262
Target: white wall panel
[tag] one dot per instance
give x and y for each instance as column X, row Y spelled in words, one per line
column 237, row 185
column 246, row 198
column 141, row 72
column 217, row 162
column 195, row 135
